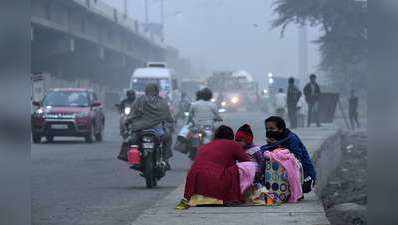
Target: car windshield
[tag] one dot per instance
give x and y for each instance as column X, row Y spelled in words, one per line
column 66, row 99
column 139, row 84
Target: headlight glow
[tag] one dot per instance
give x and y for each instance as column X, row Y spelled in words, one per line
column 223, row 103
column 222, row 110
column 40, row 111
column 235, row 100
column 212, row 100
column 127, row 110
column 186, row 113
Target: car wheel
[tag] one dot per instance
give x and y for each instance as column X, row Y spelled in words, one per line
column 36, row 138
column 50, row 139
column 90, row 136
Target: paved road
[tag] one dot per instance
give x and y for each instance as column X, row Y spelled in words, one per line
column 74, row 183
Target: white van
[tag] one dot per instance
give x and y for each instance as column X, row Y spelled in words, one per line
column 157, row 73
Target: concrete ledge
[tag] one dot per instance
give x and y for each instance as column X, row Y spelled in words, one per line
column 309, row 211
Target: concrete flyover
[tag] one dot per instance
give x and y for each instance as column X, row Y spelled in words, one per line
column 87, row 39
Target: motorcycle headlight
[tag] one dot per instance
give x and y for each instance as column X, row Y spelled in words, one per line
column 213, row 100
column 235, row 100
column 82, row 114
column 223, row 103
column 186, row 113
column 40, row 111
column 127, row 110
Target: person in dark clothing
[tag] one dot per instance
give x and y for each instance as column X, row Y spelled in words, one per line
column 353, row 110
column 312, row 93
column 214, row 173
column 128, row 101
column 293, row 96
column 280, row 136
column 151, row 111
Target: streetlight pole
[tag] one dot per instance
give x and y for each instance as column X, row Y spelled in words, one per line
column 146, row 12
column 303, row 51
column 125, row 8
column 162, row 12
column 162, row 17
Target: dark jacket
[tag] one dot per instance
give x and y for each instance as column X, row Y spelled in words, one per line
column 126, row 102
column 309, row 97
column 293, row 95
column 294, row 144
column 148, row 112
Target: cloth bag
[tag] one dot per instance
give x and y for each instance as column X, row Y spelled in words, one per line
column 123, row 152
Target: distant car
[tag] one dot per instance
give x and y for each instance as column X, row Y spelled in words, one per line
column 70, row 112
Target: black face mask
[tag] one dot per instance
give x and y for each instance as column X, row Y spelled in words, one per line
column 274, row 134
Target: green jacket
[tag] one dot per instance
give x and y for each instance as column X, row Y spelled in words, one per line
column 149, row 112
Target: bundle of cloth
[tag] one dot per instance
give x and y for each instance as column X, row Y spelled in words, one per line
column 276, row 179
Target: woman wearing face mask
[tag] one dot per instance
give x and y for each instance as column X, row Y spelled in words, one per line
column 278, row 136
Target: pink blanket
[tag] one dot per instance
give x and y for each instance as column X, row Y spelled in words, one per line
column 290, row 163
column 247, row 172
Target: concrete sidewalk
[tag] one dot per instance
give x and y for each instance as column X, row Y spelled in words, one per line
column 309, row 211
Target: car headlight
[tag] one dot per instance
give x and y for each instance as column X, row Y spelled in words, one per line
column 223, row 103
column 235, row 100
column 82, row 114
column 127, row 110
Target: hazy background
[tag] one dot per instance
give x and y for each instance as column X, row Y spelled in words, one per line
column 221, row 34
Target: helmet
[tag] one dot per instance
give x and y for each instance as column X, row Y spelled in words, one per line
column 130, row 94
column 205, row 94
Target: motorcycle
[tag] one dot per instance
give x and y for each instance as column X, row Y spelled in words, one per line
column 124, row 131
column 124, row 113
column 200, row 136
column 191, row 137
column 146, row 156
column 183, row 111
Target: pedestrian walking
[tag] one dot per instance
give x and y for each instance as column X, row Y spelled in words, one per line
column 293, row 97
column 353, row 110
column 312, row 93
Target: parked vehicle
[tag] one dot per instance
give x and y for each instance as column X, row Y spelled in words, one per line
column 74, row 112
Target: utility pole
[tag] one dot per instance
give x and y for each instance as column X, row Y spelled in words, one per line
column 146, row 13
column 303, row 52
column 162, row 12
column 125, row 8
column 162, row 17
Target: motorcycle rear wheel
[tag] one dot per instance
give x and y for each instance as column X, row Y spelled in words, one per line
column 149, row 172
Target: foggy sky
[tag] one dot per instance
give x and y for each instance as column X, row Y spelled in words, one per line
column 222, row 34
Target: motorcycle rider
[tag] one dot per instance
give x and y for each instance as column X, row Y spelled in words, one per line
column 127, row 102
column 151, row 111
column 183, row 105
column 203, row 112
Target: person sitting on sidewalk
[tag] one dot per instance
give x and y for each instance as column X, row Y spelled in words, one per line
column 285, row 169
column 244, row 136
column 279, row 136
column 214, row 176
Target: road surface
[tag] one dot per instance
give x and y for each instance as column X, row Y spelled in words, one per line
column 74, row 183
